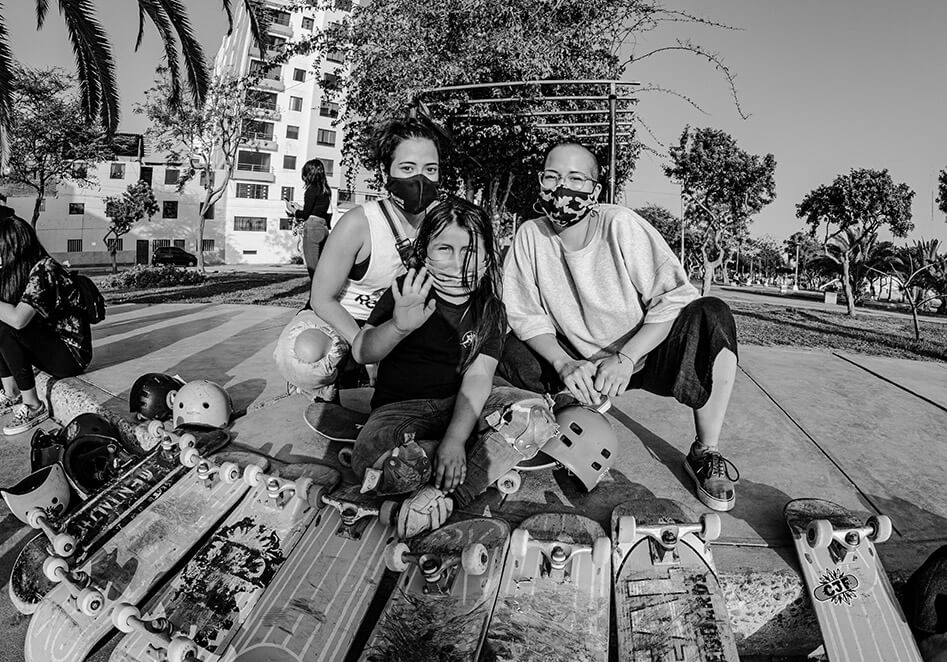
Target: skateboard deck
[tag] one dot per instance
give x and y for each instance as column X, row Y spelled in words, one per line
column 442, row 603
column 555, row 594
column 220, row 585
column 853, row 600
column 99, row 518
column 335, row 422
column 668, row 601
column 312, row 609
column 74, row 617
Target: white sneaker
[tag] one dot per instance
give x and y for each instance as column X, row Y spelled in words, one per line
column 425, row 511
column 7, row 403
column 25, row 418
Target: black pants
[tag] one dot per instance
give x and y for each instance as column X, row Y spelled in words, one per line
column 680, row 367
column 37, row 345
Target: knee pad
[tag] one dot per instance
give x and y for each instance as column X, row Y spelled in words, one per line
column 309, row 352
column 527, row 425
column 404, row 469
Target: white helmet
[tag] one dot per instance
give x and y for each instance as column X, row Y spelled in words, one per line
column 202, row 403
column 585, row 445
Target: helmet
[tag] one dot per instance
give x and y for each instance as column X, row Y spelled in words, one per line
column 89, row 462
column 586, row 444
column 149, row 395
column 201, row 402
column 46, row 448
column 88, row 424
column 46, row 489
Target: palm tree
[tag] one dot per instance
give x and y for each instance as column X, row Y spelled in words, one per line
column 915, row 267
column 95, row 66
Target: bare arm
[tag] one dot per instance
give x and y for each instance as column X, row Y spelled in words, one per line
column 17, row 316
column 648, row 337
column 340, row 253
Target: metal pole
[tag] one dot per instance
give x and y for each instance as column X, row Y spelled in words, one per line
column 682, row 224
column 612, row 139
column 795, row 286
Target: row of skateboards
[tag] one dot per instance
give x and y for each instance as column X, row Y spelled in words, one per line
column 245, row 558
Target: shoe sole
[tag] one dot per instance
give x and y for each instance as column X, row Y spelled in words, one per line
column 26, row 426
column 706, row 497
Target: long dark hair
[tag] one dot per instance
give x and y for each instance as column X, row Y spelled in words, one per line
column 20, row 250
column 314, row 174
column 392, row 134
column 486, row 303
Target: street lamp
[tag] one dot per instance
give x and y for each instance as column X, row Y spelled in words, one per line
column 795, row 284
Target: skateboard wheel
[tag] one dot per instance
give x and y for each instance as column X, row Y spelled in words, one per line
column 880, row 528
column 190, row 457
column 187, row 440
column 156, row 429
column 388, row 512
column 710, row 526
column 253, row 475
column 601, row 552
column 229, row 472
column 345, row 457
column 181, row 649
column 394, row 556
column 474, row 559
column 302, row 486
column 64, row 544
column 519, row 541
column 627, row 529
column 124, row 616
column 55, row 568
column 509, row 483
column 90, row 601
column 819, row 533
column 35, row 517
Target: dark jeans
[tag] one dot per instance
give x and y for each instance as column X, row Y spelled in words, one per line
column 680, row 367
column 37, row 345
column 315, row 231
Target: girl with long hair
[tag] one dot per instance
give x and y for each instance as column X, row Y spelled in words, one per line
column 41, row 324
column 437, row 334
column 314, row 212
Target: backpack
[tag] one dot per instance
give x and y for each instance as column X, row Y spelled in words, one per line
column 90, row 302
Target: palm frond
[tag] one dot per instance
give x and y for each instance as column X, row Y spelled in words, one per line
column 197, row 74
column 6, row 93
column 229, row 10
column 155, row 11
column 42, row 6
column 256, row 31
column 141, row 28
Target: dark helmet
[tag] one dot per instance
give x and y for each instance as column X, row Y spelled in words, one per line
column 149, row 395
column 88, row 424
column 90, row 462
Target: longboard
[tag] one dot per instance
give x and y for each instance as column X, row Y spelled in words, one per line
column 202, row 607
column 668, row 601
column 555, row 594
column 83, row 531
column 853, row 600
column 333, row 422
column 76, row 614
column 445, row 596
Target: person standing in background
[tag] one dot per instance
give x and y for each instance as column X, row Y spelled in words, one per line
column 314, row 213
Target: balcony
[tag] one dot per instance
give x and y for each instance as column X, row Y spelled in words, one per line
column 254, row 172
column 274, row 85
column 259, row 141
column 280, row 29
column 267, row 113
column 270, row 53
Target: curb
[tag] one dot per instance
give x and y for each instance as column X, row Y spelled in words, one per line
column 71, row 396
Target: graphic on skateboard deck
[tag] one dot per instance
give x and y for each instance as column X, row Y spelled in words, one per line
column 853, row 600
column 442, row 603
column 668, row 601
column 202, row 606
column 86, row 529
column 76, row 614
column 315, row 604
column 555, row 594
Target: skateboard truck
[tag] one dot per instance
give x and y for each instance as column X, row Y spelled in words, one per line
column 843, row 543
column 127, row 618
column 228, row 472
column 282, row 492
column 89, row 600
column 664, row 537
column 352, row 513
column 60, row 544
column 557, row 556
column 437, row 570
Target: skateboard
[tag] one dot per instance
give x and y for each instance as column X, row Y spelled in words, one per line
column 312, row 609
column 852, row 598
column 336, row 423
column 83, row 531
column 555, row 593
column 76, row 614
column 668, row 601
column 443, row 600
column 203, row 605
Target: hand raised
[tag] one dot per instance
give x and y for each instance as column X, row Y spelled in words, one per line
column 410, row 311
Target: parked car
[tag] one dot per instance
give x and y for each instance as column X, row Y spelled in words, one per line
column 173, row 255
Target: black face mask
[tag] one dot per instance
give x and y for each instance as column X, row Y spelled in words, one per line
column 413, row 194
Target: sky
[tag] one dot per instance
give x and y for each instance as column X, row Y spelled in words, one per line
column 828, row 86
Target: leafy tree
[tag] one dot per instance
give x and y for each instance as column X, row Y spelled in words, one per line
column 942, row 191
column 723, row 187
column 51, row 140
column 137, row 202
column 205, row 138
column 806, row 248
column 665, row 222
column 850, row 211
column 912, row 267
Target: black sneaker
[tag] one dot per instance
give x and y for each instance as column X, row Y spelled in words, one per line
column 712, row 476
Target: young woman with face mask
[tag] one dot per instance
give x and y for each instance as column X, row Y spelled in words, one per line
column 359, row 258
column 314, row 212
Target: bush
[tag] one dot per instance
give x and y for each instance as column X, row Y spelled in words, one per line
column 296, row 259
column 143, row 276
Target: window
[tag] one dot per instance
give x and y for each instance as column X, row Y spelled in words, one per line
column 274, row 43
column 307, row 23
column 329, row 166
column 118, row 243
column 286, row 224
column 249, row 224
column 335, row 56
column 256, row 191
column 279, row 17
column 209, row 214
column 42, row 204
column 253, row 161
column 295, row 103
column 345, row 195
column 73, row 245
column 249, row 252
column 271, row 72
column 289, row 162
column 329, row 80
column 256, row 130
column 326, row 137
column 286, row 193
column 299, row 75
column 369, row 197
column 178, row 242
column 76, row 208
column 169, row 209
column 117, row 171
column 264, row 100
column 207, row 245
column 171, row 176
column 292, row 131
column 329, row 109
column 160, row 243
column 343, row 5
column 80, row 170
column 204, row 177
column 147, row 172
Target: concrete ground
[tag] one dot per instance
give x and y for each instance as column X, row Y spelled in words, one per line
column 865, row 432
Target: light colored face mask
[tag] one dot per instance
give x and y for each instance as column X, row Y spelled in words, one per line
column 450, row 282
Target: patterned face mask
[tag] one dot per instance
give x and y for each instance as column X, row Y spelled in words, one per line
column 564, row 206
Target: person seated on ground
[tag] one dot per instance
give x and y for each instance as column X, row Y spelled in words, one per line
column 42, row 324
column 598, row 303
column 360, row 257
column 314, row 213
column 437, row 334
